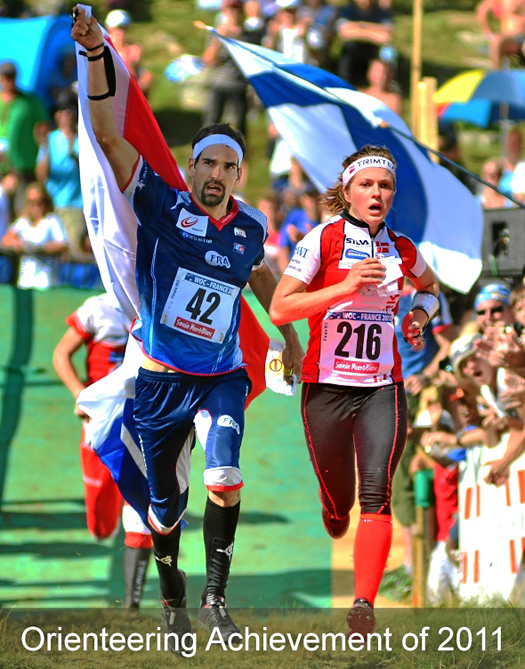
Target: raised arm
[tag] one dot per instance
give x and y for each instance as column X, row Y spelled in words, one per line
column 120, row 153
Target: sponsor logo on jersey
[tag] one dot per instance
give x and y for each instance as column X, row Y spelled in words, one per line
column 197, row 225
column 216, row 260
column 238, row 248
column 354, row 253
column 239, row 232
column 355, row 367
column 227, row 421
column 357, row 242
column 301, row 251
column 186, row 235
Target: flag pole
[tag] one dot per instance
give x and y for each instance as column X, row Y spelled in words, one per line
column 451, row 162
column 415, row 72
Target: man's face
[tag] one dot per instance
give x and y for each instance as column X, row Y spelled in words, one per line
column 477, row 369
column 214, row 175
column 490, row 312
column 7, row 84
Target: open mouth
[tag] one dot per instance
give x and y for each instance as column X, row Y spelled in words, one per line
column 214, row 189
column 375, row 208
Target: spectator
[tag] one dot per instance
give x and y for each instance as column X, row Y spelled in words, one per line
column 364, row 27
column 511, row 159
column 287, row 32
column 319, row 18
column 443, row 574
column 228, row 85
column 492, row 305
column 38, row 238
column 117, row 24
column 21, row 114
column 492, row 172
column 57, row 167
column 449, row 147
column 419, row 368
column 380, row 77
column 508, row 41
column 98, row 326
column 300, row 219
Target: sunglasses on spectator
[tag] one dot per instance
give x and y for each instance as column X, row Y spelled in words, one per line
column 492, row 311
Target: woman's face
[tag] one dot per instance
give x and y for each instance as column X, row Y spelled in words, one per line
column 35, row 204
column 369, row 195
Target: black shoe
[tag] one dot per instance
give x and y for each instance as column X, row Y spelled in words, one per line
column 174, row 619
column 214, row 614
column 361, row 618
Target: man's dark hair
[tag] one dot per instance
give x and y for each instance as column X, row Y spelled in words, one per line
column 219, row 129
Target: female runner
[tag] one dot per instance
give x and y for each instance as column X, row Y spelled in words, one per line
column 346, row 276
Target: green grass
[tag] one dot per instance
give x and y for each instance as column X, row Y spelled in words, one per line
column 446, row 635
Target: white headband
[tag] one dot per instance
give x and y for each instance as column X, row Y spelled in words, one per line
column 211, row 140
column 363, row 163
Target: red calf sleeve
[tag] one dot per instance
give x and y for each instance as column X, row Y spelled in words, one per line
column 371, row 548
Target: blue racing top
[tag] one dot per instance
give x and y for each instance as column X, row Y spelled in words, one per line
column 190, row 271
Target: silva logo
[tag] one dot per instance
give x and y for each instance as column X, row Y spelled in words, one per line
column 216, row 260
column 357, row 242
column 227, row 421
column 238, row 248
column 197, row 225
column 239, row 232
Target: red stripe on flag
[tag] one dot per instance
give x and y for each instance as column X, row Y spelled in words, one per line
column 507, row 492
column 513, row 561
column 521, row 483
column 464, row 567
column 142, row 131
column 476, row 566
column 468, row 503
column 523, row 553
column 478, row 501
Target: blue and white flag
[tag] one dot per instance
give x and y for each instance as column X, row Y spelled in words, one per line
column 323, row 120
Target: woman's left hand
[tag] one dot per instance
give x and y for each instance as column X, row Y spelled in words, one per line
column 413, row 325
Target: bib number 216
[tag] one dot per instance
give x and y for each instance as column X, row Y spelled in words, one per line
column 367, row 340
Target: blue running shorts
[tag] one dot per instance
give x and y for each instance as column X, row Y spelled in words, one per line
column 165, row 408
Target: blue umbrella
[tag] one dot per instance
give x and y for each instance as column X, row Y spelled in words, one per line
column 484, row 98
column 482, row 113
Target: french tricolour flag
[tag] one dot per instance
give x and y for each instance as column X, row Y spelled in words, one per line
column 112, row 229
column 323, row 119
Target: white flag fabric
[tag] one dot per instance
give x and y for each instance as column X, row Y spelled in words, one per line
column 323, row 120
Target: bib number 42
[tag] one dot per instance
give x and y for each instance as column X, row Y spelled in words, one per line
column 202, row 305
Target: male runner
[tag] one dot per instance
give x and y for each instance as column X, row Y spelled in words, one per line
column 196, row 251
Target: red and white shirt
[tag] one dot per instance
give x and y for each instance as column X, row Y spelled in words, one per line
column 99, row 324
column 353, row 343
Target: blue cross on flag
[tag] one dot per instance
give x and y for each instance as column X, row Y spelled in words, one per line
column 323, row 120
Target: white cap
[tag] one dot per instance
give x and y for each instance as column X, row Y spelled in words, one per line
column 288, row 4
column 118, row 18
